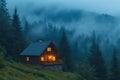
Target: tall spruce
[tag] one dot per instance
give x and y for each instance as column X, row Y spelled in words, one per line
column 26, row 29
column 17, row 25
column 97, row 61
column 65, row 52
column 19, row 42
column 115, row 74
column 3, row 8
column 6, row 30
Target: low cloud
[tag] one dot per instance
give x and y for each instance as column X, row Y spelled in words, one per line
column 100, row 6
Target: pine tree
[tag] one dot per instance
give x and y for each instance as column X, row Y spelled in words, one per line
column 26, row 29
column 19, row 41
column 65, row 53
column 16, row 24
column 6, row 30
column 86, row 71
column 114, row 67
column 3, row 8
column 97, row 61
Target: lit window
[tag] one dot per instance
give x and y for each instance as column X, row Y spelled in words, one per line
column 42, row 58
column 27, row 58
column 53, row 59
column 50, row 57
column 49, row 49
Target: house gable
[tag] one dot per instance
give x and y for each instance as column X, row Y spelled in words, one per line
column 51, row 48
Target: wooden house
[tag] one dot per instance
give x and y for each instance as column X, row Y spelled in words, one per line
column 44, row 54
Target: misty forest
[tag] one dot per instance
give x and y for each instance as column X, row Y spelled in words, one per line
column 89, row 43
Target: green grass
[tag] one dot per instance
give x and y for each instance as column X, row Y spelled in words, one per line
column 18, row 71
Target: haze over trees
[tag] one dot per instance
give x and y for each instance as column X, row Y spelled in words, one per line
column 82, row 55
column 96, row 60
column 66, row 52
column 114, row 69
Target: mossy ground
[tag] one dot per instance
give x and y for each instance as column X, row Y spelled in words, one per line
column 18, row 71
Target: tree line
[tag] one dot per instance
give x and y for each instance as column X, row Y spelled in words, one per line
column 11, row 33
column 94, row 66
column 13, row 40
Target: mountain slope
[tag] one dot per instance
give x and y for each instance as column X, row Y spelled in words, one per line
column 79, row 21
column 17, row 71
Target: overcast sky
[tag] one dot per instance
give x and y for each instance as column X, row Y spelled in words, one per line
column 111, row 7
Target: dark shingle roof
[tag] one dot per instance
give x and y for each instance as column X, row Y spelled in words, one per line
column 35, row 49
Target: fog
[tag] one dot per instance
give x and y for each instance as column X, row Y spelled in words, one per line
column 83, row 17
column 100, row 6
column 35, row 10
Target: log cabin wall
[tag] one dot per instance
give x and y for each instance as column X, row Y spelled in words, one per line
column 30, row 59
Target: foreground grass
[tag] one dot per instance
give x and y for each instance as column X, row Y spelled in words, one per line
column 18, row 71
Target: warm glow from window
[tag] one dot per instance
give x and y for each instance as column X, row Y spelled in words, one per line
column 27, row 58
column 42, row 58
column 51, row 58
column 49, row 49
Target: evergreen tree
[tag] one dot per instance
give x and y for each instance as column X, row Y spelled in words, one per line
column 97, row 61
column 65, row 53
column 16, row 24
column 6, row 30
column 115, row 74
column 26, row 29
column 3, row 8
column 19, row 41
column 86, row 71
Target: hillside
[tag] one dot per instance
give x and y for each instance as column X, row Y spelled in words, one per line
column 17, row 71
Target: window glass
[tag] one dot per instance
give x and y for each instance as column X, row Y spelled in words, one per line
column 49, row 49
column 51, row 58
column 27, row 58
column 42, row 59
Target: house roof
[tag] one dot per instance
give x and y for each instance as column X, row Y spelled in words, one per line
column 35, row 49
